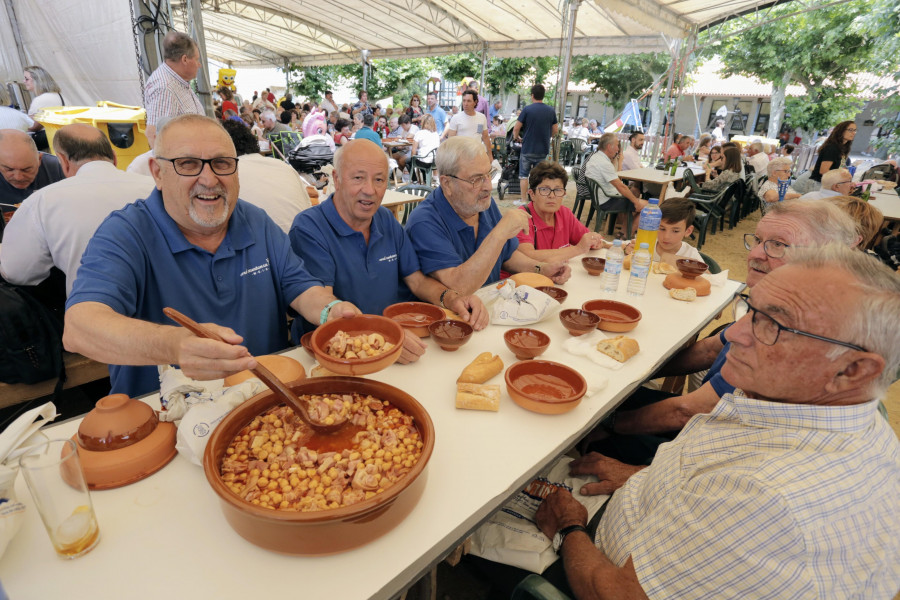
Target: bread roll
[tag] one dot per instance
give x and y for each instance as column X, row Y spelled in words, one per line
column 626, row 263
column 663, row 268
column 532, row 279
column 474, row 396
column 620, row 347
column 687, row 294
column 485, row 366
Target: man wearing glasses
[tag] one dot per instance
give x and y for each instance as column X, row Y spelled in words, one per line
column 458, row 232
column 650, row 417
column 837, row 182
column 191, row 245
column 788, row 487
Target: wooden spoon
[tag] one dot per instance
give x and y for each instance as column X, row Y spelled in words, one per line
column 265, row 375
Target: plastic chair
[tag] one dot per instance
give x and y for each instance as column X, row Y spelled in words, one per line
column 713, row 265
column 583, row 192
column 416, row 190
column 578, row 151
column 499, row 148
column 598, row 198
column 422, row 169
column 535, row 587
column 567, row 153
column 712, row 210
column 285, row 141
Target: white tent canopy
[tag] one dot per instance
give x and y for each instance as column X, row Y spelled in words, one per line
column 89, row 48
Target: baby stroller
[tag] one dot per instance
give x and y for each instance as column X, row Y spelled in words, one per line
column 311, row 154
column 509, row 177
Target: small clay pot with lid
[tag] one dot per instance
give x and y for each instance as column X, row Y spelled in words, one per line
column 122, row 441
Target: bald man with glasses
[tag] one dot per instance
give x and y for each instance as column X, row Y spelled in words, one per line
column 194, row 246
column 650, row 417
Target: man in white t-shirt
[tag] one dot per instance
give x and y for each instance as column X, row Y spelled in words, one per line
column 837, row 182
column 469, row 122
column 407, row 130
column 757, row 159
column 11, row 118
column 328, row 103
column 631, row 159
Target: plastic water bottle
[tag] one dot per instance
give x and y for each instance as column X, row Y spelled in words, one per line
column 615, row 256
column 640, row 269
column 648, row 225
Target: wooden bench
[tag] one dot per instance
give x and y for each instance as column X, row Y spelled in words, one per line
column 79, row 370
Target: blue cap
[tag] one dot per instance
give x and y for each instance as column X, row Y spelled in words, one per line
column 645, row 246
column 617, row 242
column 653, row 200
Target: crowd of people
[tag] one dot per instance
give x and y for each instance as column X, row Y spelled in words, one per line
column 718, row 491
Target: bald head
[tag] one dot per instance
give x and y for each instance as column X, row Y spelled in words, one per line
column 78, row 144
column 360, row 180
column 19, row 158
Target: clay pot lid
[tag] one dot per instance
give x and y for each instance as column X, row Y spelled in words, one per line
column 116, row 422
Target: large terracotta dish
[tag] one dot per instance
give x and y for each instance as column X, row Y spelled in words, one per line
column 327, row 531
column 390, row 329
column 614, row 316
column 284, row 368
column 415, row 316
column 122, row 441
column 545, row 387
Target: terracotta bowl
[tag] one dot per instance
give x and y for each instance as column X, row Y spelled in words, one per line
column 327, row 531
column 526, row 343
column 594, row 265
column 122, row 441
column 578, row 321
column 450, row 334
column 691, row 269
column 614, row 316
column 556, row 293
column 305, row 341
column 285, row 368
column 390, row 329
column 415, row 316
column 545, row 387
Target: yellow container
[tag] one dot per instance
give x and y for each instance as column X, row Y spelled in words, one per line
column 124, row 126
column 743, row 140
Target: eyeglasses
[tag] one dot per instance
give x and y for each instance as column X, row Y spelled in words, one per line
column 188, row 166
column 766, row 329
column 849, row 181
column 772, row 248
column 476, row 181
column 557, row 192
column 850, row 130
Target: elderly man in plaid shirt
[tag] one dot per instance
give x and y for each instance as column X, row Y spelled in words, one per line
column 789, row 487
column 168, row 92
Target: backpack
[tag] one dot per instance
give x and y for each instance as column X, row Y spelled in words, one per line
column 31, row 347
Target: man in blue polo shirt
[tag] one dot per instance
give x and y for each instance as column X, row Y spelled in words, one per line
column 194, row 246
column 458, row 232
column 361, row 253
column 435, row 110
column 539, row 122
column 23, row 169
column 366, row 132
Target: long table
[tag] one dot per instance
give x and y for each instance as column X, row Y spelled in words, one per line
column 165, row 536
column 656, row 176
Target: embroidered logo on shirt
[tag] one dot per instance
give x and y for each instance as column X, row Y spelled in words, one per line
column 388, row 258
column 257, row 270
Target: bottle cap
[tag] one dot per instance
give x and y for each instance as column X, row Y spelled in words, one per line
column 645, row 246
column 653, row 200
column 617, row 242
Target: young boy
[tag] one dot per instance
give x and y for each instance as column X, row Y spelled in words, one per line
column 675, row 226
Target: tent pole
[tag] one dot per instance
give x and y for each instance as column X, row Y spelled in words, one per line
column 564, row 75
column 687, row 49
column 14, row 25
column 673, row 51
column 483, row 63
column 199, row 36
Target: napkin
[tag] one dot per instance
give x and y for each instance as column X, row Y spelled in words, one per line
column 14, row 441
column 199, row 406
column 718, row 279
column 586, row 345
column 514, row 305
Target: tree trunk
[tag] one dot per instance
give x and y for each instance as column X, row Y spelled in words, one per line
column 655, row 112
column 776, row 108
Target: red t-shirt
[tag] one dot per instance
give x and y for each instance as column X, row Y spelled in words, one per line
column 674, row 151
column 566, row 231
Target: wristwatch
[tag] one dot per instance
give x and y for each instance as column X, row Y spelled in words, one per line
column 560, row 536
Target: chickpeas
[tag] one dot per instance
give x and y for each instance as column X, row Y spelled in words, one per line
column 268, row 465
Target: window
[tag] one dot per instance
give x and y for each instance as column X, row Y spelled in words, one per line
column 762, row 123
column 569, row 99
column 582, row 105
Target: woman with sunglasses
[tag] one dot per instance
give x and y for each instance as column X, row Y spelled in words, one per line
column 553, row 232
column 415, row 111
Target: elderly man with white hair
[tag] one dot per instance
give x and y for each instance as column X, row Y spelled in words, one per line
column 757, row 158
column 837, row 182
column 778, row 169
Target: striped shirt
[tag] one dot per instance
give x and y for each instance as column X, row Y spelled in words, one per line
column 765, row 500
column 168, row 95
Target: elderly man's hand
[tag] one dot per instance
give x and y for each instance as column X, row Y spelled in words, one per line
column 204, row 359
column 611, row 474
column 559, row 509
column 344, row 310
column 559, row 272
column 413, row 348
column 513, row 222
column 472, row 310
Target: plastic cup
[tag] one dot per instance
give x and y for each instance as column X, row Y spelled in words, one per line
column 56, row 481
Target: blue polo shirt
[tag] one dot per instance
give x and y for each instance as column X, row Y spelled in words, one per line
column 714, row 375
column 367, row 133
column 443, row 240
column 139, row 262
column 368, row 275
column 537, row 127
column 440, row 117
column 49, row 172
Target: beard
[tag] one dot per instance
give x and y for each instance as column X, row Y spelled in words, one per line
column 208, row 216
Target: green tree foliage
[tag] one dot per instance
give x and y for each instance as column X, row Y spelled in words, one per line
column 620, row 76
column 818, row 49
column 882, row 23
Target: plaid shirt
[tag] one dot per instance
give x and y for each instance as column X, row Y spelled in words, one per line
column 168, row 95
column 765, row 500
